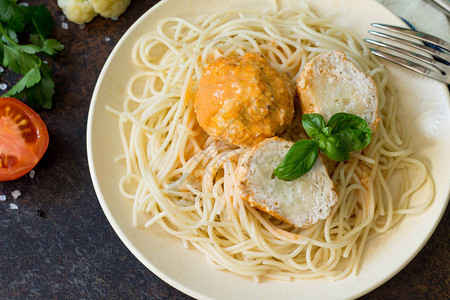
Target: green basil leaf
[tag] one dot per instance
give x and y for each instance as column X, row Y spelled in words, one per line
column 313, row 125
column 326, row 131
column 298, row 161
column 334, row 148
column 351, row 130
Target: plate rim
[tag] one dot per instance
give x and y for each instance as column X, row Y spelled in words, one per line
column 125, row 239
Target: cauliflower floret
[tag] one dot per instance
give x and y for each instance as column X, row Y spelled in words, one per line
column 78, row 11
column 110, row 8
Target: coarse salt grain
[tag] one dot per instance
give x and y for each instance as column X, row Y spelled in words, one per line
column 82, row 26
column 3, row 86
column 16, row 194
column 64, row 25
column 107, row 39
column 24, row 4
column 13, row 206
column 2, row 197
column 1, row 69
column 32, row 173
column 45, row 62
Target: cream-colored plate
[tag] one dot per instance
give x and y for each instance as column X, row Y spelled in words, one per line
column 425, row 104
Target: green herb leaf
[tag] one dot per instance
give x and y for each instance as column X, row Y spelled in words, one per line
column 13, row 15
column 51, row 47
column 42, row 21
column 40, row 94
column 334, row 148
column 298, row 161
column 36, row 39
column 17, row 60
column 343, row 134
column 48, row 46
column 313, row 125
column 30, row 49
column 31, row 78
column 351, row 130
column 7, row 10
column 37, row 22
column 326, row 131
column 8, row 36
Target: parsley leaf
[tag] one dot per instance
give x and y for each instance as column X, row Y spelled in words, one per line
column 30, row 49
column 48, row 46
column 18, row 60
column 42, row 21
column 41, row 93
column 13, row 15
column 35, row 22
column 31, row 78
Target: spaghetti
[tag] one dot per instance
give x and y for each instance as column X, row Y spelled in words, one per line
column 185, row 181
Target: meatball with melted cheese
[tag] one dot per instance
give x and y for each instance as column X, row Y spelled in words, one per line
column 243, row 100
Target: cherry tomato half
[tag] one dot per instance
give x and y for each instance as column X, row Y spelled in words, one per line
column 23, row 138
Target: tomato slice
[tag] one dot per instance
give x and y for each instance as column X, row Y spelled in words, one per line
column 23, row 138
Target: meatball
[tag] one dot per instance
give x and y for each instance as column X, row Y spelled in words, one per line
column 243, row 100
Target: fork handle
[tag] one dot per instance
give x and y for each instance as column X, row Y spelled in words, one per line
column 416, row 34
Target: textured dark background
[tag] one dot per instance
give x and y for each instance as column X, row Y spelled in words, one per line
column 59, row 244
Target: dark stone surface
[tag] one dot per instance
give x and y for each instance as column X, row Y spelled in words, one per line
column 59, row 244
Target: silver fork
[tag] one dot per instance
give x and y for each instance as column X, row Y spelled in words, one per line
column 437, row 66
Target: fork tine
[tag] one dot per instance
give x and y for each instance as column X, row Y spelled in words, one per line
column 427, row 49
column 415, row 34
column 431, row 63
column 412, row 66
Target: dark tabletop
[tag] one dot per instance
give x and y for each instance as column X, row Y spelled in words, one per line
column 59, row 244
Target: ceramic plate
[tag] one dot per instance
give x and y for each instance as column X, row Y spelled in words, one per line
column 424, row 102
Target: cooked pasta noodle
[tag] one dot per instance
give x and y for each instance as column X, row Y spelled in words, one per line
column 185, row 181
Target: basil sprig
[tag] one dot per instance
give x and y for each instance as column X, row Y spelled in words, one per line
column 343, row 134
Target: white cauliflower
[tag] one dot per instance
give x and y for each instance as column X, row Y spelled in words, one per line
column 78, row 11
column 110, row 8
column 83, row 11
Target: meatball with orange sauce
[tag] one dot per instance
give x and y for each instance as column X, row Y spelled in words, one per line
column 243, row 100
